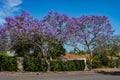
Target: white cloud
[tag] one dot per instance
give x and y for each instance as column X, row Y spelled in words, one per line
column 8, row 7
column 13, row 3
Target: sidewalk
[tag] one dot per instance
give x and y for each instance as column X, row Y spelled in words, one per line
column 7, row 73
column 107, row 69
column 61, row 72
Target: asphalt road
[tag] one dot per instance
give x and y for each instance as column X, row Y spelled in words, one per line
column 63, row 76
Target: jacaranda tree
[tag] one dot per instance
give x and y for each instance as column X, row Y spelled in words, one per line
column 39, row 33
column 92, row 31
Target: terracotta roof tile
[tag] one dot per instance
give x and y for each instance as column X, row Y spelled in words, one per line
column 69, row 55
column 112, row 57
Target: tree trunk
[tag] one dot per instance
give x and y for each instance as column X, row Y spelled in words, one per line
column 47, row 62
column 44, row 55
column 48, row 65
column 90, row 60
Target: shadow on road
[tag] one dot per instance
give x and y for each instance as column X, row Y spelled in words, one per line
column 115, row 73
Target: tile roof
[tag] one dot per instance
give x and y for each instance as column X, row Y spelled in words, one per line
column 70, row 55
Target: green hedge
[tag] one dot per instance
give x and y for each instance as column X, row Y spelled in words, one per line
column 8, row 63
column 74, row 65
column 38, row 64
column 96, row 64
column 34, row 64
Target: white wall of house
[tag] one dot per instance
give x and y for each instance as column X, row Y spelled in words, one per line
column 10, row 53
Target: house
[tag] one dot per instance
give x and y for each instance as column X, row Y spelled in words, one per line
column 112, row 57
column 114, row 61
column 71, row 56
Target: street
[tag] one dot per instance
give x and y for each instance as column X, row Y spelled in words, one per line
column 64, row 76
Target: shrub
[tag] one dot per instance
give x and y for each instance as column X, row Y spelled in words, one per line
column 58, row 65
column 38, row 64
column 96, row 64
column 8, row 63
column 29, row 64
column 34, row 64
column 100, row 61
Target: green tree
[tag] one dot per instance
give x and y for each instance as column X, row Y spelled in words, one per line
column 57, row 50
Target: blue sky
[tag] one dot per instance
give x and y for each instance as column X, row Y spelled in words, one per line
column 39, row 8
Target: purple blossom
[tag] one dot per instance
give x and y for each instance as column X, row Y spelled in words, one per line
column 56, row 27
